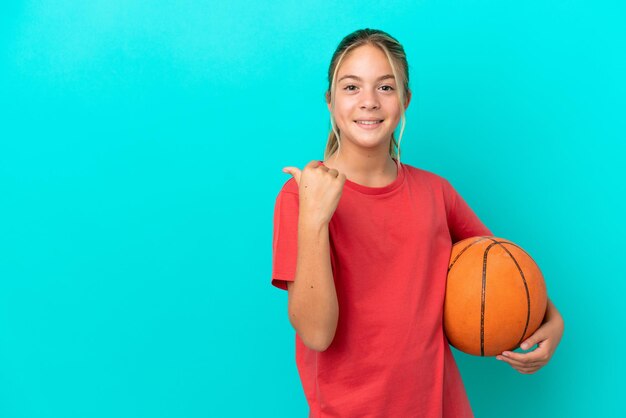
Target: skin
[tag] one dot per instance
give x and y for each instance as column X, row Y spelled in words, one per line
column 364, row 158
column 547, row 338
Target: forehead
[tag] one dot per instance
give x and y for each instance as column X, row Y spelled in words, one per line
column 365, row 61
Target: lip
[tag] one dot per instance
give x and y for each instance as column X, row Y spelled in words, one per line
column 369, row 127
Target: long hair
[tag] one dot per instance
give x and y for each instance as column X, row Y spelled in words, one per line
column 399, row 65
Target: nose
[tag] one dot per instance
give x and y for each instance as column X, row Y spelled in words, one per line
column 369, row 100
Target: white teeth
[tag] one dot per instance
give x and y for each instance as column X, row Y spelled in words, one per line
column 368, row 122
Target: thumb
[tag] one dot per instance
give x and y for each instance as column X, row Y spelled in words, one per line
column 295, row 172
column 536, row 338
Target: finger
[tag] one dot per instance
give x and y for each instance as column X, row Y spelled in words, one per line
column 323, row 168
column 526, row 358
column 518, row 363
column 295, row 172
column 529, row 370
column 534, row 339
column 538, row 356
column 541, row 353
column 522, row 368
column 313, row 164
column 333, row 171
column 538, row 336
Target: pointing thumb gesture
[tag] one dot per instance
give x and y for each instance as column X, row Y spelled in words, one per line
column 319, row 190
column 296, row 172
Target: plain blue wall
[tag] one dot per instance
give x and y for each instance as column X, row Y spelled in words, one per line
column 141, row 148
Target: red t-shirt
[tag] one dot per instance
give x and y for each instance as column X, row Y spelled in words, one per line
column 390, row 248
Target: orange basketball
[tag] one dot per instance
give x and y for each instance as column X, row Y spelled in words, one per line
column 495, row 296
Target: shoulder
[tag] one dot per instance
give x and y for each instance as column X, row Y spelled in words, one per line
column 289, row 186
column 426, row 176
column 288, row 192
column 287, row 200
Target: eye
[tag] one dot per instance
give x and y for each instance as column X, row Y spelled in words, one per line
column 349, row 87
column 387, row 88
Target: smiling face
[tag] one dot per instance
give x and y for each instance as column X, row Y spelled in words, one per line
column 367, row 107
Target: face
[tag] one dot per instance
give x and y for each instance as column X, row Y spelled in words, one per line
column 367, row 109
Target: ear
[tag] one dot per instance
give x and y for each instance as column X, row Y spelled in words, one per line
column 327, row 96
column 408, row 99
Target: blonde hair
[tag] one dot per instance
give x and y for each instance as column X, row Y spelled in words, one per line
column 399, row 65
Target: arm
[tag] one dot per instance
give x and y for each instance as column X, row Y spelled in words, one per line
column 462, row 220
column 312, row 306
column 552, row 314
column 464, row 223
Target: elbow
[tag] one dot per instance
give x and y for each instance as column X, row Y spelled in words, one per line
column 319, row 344
column 315, row 339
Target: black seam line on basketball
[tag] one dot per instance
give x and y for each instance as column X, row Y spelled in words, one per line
column 464, row 249
column 515, row 245
column 483, row 296
column 482, row 301
column 482, row 239
column 521, row 272
column 523, row 281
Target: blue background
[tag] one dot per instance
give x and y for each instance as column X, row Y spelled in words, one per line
column 141, row 148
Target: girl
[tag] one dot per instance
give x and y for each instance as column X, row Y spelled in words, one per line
column 362, row 244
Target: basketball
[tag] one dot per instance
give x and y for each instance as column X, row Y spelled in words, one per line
column 495, row 296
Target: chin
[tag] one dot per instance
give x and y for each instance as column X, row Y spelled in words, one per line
column 370, row 142
column 372, row 139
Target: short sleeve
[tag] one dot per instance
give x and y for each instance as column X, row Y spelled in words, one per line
column 462, row 221
column 284, row 249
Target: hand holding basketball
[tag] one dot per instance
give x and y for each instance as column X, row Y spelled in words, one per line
column 495, row 294
column 320, row 189
column 547, row 338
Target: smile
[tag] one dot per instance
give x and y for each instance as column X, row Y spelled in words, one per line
column 369, row 124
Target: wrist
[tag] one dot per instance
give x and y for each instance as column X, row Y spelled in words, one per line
column 311, row 222
column 314, row 228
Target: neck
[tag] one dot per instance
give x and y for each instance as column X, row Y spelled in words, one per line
column 364, row 166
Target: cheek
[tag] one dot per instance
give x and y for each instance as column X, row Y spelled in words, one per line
column 343, row 112
column 342, row 122
column 392, row 103
column 343, row 107
column 394, row 108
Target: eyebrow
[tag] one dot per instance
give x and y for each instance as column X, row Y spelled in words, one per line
column 384, row 77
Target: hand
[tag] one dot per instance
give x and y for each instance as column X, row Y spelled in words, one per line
column 319, row 188
column 547, row 338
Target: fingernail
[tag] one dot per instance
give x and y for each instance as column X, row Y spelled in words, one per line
column 524, row 346
column 498, row 358
column 506, row 354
